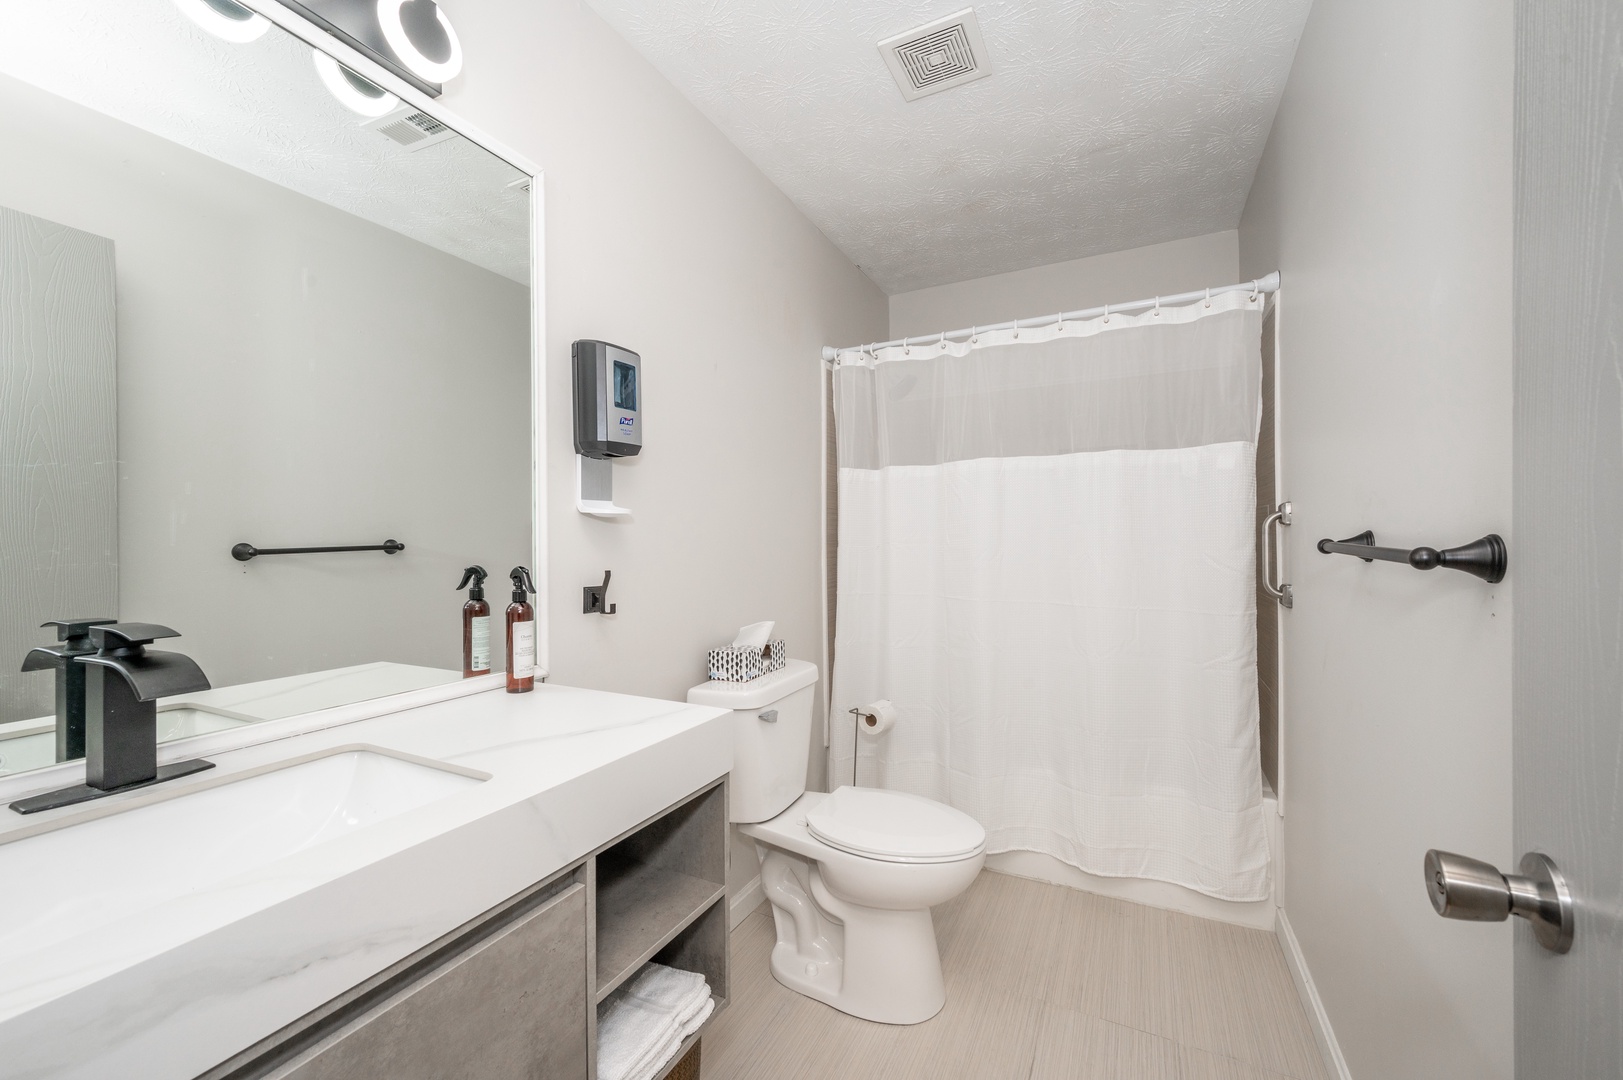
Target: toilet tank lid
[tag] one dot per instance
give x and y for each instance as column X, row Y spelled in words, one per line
column 757, row 693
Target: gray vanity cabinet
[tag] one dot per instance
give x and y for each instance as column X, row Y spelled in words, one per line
column 512, row 1007
column 515, row 994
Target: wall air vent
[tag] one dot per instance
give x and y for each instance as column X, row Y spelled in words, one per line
column 937, row 56
column 410, row 128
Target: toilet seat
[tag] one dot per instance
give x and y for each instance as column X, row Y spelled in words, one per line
column 894, row 826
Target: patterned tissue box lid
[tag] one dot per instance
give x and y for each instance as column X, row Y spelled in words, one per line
column 734, row 663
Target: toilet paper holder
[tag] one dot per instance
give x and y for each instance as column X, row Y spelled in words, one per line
column 856, row 745
column 864, row 717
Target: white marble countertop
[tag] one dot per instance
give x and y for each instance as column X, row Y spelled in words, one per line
column 173, row 990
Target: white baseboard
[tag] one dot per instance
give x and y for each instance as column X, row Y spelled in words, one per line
column 749, row 898
column 1334, row 1063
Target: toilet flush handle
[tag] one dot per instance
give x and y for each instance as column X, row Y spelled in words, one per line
column 770, row 716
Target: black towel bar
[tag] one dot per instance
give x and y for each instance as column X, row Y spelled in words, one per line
column 1486, row 558
column 244, row 552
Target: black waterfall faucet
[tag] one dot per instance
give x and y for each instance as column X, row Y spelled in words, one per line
column 123, row 682
column 73, row 641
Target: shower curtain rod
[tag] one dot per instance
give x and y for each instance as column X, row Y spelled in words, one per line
column 1261, row 285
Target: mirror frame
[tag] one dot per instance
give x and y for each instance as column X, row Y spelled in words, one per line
column 317, row 38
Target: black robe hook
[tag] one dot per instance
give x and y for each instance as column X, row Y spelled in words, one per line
column 595, row 598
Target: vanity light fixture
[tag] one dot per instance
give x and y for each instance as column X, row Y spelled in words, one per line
column 226, row 19
column 352, row 91
column 410, row 45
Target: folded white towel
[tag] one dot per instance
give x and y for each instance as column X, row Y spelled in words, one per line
column 645, row 1021
column 691, row 1016
column 628, row 1030
column 657, row 1058
column 666, row 987
column 685, row 995
column 668, row 1050
column 656, row 1053
column 700, row 1017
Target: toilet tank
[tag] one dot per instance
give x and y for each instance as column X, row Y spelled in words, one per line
column 772, row 725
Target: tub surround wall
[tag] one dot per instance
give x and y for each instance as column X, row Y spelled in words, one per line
column 1384, row 198
column 1176, row 266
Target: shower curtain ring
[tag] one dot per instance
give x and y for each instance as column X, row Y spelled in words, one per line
column 1157, row 311
column 973, row 336
column 1059, row 321
column 1107, row 313
column 1208, row 296
column 1253, row 290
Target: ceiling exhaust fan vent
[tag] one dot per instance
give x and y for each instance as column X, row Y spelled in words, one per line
column 410, row 128
column 937, row 56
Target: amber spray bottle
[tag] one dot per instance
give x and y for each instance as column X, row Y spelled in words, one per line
column 521, row 634
column 475, row 624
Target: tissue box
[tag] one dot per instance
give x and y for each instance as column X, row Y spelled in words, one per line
column 735, row 663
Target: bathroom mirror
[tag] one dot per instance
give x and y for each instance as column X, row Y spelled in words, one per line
column 247, row 296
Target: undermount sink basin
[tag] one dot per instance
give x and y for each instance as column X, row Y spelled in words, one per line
column 89, row 873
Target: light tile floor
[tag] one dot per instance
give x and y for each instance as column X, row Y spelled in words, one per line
column 1042, row 982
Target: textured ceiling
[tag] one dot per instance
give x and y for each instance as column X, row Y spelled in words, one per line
column 261, row 108
column 1108, row 124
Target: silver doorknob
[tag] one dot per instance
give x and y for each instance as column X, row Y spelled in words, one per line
column 1462, row 888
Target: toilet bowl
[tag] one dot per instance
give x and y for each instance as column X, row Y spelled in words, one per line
column 851, row 875
column 854, row 928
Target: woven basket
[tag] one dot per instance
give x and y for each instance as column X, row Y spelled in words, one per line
column 687, row 1068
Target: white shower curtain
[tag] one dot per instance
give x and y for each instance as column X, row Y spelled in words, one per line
column 1046, row 561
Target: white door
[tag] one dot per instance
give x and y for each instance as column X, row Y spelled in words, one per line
column 1566, row 552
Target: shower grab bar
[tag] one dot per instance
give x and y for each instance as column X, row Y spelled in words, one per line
column 1282, row 593
column 244, row 552
column 1487, row 558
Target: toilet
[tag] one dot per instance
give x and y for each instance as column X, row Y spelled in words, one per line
column 851, row 875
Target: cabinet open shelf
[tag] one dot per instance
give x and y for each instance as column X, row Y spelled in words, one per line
column 659, row 895
column 640, row 909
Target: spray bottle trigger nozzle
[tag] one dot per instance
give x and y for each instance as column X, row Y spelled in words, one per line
column 477, row 575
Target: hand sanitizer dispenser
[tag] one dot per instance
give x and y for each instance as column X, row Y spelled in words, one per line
column 608, row 388
column 608, row 420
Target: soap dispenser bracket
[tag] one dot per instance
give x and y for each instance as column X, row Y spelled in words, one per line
column 594, row 487
column 595, row 598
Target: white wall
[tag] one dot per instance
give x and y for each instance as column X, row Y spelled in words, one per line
column 1160, row 269
column 1384, row 197
column 663, row 238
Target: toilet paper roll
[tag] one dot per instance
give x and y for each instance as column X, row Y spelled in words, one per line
column 876, row 718
column 754, row 636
